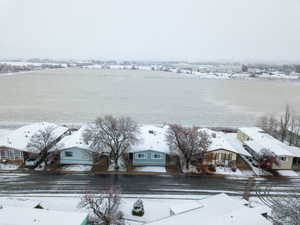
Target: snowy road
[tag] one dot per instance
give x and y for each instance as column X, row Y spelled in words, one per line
column 11, row 184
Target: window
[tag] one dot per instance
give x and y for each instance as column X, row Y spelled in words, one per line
column 68, row 154
column 283, row 158
column 140, row 156
column 156, row 156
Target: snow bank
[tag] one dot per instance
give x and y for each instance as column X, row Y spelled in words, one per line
column 76, row 168
column 156, row 169
column 287, row 173
column 227, row 171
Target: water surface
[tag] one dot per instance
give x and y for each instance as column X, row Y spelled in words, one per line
column 80, row 95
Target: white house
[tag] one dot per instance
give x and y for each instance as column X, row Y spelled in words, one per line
column 255, row 139
column 220, row 209
column 296, row 160
column 73, row 151
column 13, row 146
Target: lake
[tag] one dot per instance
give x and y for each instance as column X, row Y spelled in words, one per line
column 76, row 95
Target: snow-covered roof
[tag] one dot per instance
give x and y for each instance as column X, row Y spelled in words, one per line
column 28, row 216
column 176, row 209
column 236, row 144
column 152, row 137
column 220, row 141
column 294, row 150
column 75, row 140
column 19, row 138
column 218, row 210
column 259, row 139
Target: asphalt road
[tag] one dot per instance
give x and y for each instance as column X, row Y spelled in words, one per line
column 11, row 184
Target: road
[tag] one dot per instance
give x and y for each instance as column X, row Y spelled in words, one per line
column 12, row 184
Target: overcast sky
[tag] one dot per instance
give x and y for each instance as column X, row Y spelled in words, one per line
column 195, row 30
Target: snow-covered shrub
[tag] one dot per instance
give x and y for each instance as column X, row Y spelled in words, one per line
column 267, row 159
column 138, row 208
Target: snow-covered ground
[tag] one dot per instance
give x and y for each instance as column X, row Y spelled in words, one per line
column 287, row 173
column 227, row 171
column 156, row 169
column 156, row 207
column 76, row 168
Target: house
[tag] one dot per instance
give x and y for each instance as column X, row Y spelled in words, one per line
column 152, row 148
column 255, row 139
column 296, row 160
column 13, row 146
column 223, row 151
column 73, row 151
column 219, row 209
column 29, row 216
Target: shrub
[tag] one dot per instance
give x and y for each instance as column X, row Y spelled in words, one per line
column 212, row 168
column 138, row 208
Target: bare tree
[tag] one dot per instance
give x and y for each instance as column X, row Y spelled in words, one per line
column 111, row 134
column 267, row 159
column 285, row 120
column 104, row 207
column 294, row 131
column 269, row 124
column 263, row 122
column 41, row 142
column 189, row 141
column 285, row 210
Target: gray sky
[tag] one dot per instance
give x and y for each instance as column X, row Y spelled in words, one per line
column 240, row 30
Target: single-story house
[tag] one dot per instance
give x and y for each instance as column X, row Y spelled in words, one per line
column 296, row 160
column 255, row 139
column 219, row 209
column 13, row 146
column 73, row 150
column 152, row 148
column 223, row 150
column 29, row 216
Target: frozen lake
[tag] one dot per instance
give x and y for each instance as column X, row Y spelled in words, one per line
column 80, row 95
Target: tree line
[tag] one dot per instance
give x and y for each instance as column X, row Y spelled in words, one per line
column 286, row 127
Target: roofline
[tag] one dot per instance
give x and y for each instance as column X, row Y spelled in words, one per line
column 226, row 150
